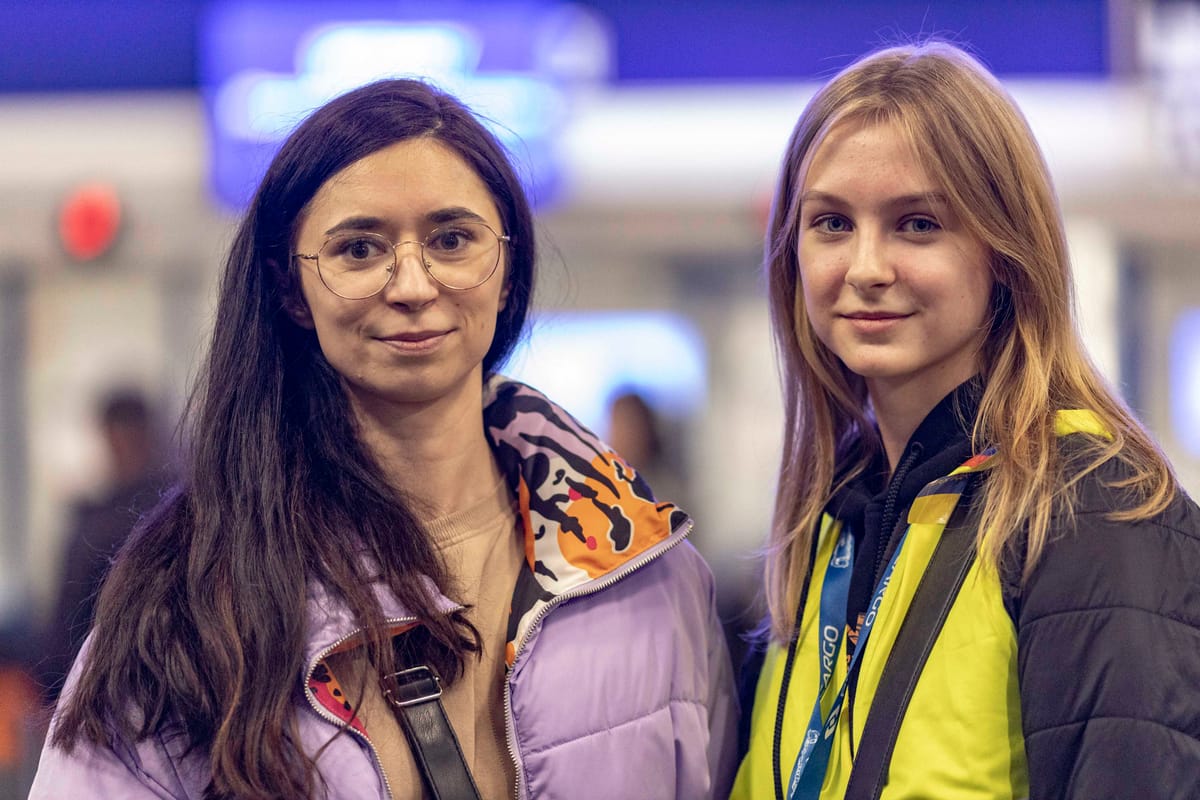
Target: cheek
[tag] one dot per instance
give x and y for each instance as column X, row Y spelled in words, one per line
column 812, row 325
column 816, row 295
column 976, row 299
column 821, row 271
column 484, row 309
column 336, row 324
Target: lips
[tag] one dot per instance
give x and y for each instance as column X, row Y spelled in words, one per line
column 873, row 324
column 875, row 315
column 415, row 343
column 414, row 336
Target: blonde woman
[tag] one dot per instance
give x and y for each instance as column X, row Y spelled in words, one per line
column 982, row 576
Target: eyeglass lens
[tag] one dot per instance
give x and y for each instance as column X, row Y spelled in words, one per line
column 356, row 264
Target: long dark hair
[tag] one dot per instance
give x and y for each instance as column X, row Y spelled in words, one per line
column 200, row 626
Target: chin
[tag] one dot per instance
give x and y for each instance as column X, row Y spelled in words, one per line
column 423, row 389
column 873, row 369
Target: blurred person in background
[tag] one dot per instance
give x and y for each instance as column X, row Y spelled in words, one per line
column 636, row 432
column 981, row 577
column 135, row 459
column 359, row 587
column 639, row 434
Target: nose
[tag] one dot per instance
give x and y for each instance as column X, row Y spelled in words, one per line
column 410, row 285
column 870, row 264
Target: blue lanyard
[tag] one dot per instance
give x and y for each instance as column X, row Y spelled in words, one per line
column 811, row 762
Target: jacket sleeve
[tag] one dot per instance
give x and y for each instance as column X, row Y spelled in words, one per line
column 146, row 771
column 1108, row 632
column 90, row 771
column 722, row 708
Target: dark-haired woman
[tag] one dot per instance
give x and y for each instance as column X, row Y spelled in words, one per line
column 369, row 505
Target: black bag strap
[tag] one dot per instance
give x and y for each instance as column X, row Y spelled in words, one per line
column 947, row 569
column 416, row 696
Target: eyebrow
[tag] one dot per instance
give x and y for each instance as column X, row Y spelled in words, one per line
column 438, row 217
column 900, row 201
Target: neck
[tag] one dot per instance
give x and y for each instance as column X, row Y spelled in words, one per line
column 900, row 409
column 435, row 454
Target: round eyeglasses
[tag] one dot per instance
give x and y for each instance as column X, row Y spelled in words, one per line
column 355, row 264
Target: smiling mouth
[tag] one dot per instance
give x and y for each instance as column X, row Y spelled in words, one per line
column 415, row 343
column 422, row 336
column 874, row 323
column 876, row 315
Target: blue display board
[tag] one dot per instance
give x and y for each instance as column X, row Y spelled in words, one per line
column 265, row 66
column 67, row 45
column 1185, row 380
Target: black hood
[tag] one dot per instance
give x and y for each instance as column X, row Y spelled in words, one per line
column 872, row 505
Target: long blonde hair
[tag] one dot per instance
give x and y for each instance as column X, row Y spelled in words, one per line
column 978, row 149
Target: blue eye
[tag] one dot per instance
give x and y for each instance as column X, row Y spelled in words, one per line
column 831, row 223
column 920, row 225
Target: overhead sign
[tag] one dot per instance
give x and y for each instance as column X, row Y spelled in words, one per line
column 266, row 66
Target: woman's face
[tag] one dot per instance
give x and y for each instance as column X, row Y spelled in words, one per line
column 416, row 342
column 893, row 282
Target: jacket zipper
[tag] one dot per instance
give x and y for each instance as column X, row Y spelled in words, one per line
column 323, row 714
column 677, row 536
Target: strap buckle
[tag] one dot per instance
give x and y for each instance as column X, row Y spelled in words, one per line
column 414, row 686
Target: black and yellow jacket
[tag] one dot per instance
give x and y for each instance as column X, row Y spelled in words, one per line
column 1083, row 682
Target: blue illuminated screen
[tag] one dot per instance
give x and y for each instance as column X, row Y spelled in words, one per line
column 1185, row 380
column 581, row 360
column 265, row 66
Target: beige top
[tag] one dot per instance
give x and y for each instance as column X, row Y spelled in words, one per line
column 477, row 541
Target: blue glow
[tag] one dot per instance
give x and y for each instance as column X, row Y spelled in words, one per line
column 1185, row 380
column 580, row 360
column 257, row 105
column 359, row 51
column 269, row 66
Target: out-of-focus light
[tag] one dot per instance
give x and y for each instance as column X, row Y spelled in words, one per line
column 257, row 105
column 581, row 360
column 516, row 64
column 1170, row 40
column 89, row 220
column 1185, row 380
column 361, row 51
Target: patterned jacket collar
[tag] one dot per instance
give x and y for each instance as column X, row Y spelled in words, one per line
column 588, row 517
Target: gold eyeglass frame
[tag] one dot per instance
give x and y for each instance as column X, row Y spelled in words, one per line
column 315, row 257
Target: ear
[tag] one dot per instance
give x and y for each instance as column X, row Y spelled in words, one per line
column 293, row 301
column 504, row 295
column 296, row 308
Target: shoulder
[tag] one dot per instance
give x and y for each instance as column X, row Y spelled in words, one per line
column 683, row 563
column 1101, row 505
column 678, row 581
column 1102, row 490
column 657, row 622
column 1107, row 627
column 1094, row 557
column 669, row 597
column 148, row 768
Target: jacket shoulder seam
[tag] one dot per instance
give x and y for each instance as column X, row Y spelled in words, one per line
column 1112, row 607
column 1125, row 524
column 1112, row 718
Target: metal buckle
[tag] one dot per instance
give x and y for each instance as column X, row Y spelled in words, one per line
column 423, row 683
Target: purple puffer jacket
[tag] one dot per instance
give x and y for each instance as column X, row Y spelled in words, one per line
column 619, row 684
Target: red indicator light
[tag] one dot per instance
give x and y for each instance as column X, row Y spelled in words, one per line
column 89, row 220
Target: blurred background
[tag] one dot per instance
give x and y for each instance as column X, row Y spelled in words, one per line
column 132, row 132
